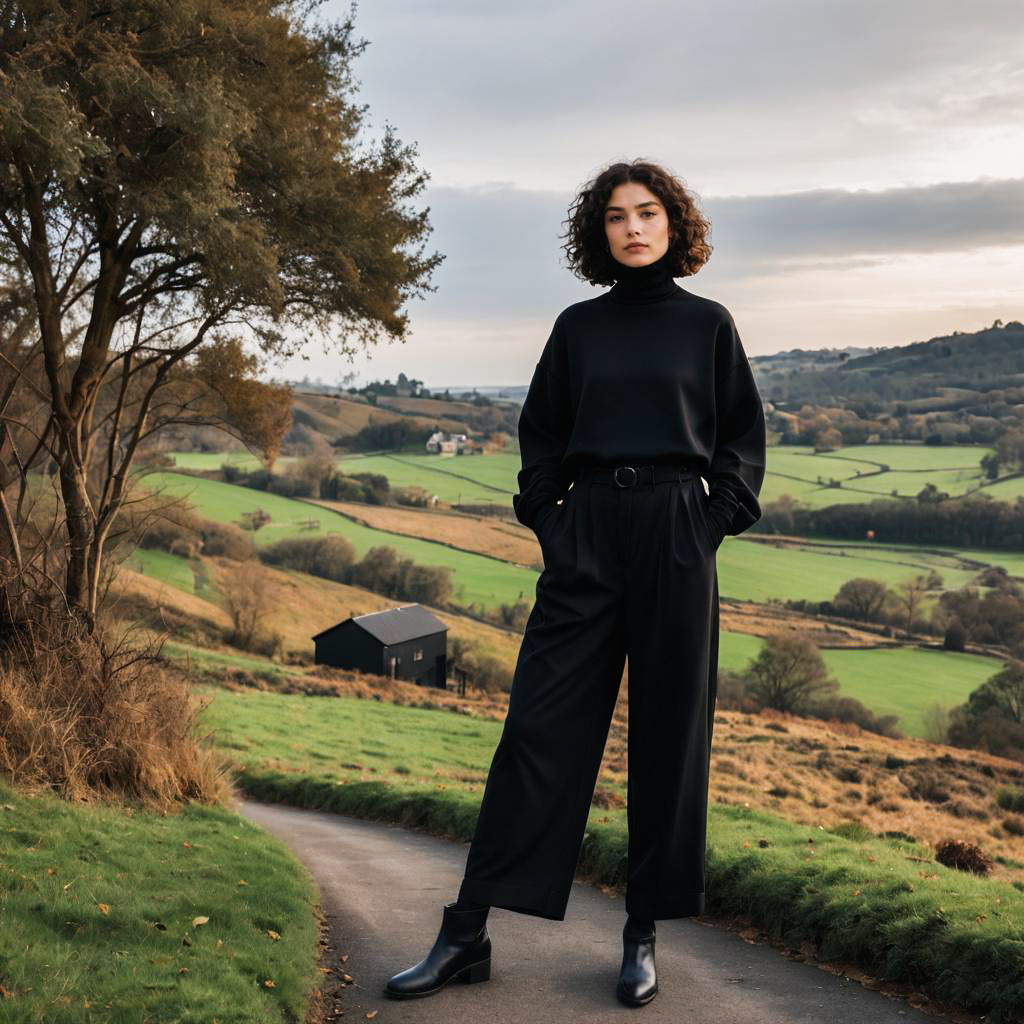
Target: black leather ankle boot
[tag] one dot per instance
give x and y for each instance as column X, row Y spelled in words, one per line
column 461, row 952
column 638, row 982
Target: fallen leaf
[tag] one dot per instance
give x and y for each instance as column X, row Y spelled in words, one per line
column 371, row 1014
column 268, row 983
column 273, row 934
column 242, row 881
column 197, row 921
column 187, row 843
column 104, row 908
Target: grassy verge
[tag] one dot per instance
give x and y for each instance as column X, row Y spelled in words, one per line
column 884, row 904
column 102, row 916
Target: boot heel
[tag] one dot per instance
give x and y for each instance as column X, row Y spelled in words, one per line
column 476, row 972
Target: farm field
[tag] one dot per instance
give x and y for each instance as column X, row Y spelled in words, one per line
column 796, row 471
column 476, row 578
column 890, row 680
column 870, row 471
column 902, row 681
column 749, row 570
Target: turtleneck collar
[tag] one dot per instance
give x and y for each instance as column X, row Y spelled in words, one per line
column 648, row 283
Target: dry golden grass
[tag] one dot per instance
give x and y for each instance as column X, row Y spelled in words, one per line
column 759, row 620
column 341, row 417
column 132, row 590
column 450, row 416
column 96, row 718
column 299, row 607
column 505, row 539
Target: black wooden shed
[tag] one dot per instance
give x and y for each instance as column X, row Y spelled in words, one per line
column 404, row 643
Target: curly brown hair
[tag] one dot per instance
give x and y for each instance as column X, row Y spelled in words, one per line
column 586, row 243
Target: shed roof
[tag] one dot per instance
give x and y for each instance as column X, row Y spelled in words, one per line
column 394, row 625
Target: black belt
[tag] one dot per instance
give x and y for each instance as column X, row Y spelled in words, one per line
column 630, row 476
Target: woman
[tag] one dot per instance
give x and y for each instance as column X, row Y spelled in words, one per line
column 638, row 393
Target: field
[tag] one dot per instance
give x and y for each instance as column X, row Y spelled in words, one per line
column 901, row 680
column 750, row 568
column 855, row 474
column 495, row 560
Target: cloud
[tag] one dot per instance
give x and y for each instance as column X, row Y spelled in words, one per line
column 504, row 257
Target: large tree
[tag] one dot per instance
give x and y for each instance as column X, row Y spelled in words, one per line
column 789, row 673
column 178, row 178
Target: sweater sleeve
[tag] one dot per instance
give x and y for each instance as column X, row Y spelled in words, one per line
column 738, row 464
column 545, row 424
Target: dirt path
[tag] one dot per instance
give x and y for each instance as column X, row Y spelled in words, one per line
column 382, row 889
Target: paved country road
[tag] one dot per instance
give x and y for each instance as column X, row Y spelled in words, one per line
column 382, row 888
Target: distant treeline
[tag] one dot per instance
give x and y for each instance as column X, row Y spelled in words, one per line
column 975, row 521
column 310, row 479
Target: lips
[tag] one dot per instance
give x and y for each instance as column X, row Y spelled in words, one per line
column 635, row 245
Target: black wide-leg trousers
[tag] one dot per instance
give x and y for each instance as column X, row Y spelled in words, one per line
column 629, row 572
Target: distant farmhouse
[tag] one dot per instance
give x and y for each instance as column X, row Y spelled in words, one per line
column 440, row 443
column 404, row 643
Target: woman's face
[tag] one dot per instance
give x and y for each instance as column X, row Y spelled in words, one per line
column 636, row 225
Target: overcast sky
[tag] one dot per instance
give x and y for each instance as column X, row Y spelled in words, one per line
column 860, row 163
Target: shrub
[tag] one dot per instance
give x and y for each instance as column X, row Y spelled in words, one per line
column 955, row 853
column 1010, row 798
column 955, row 638
column 1014, row 824
column 226, row 541
column 93, row 716
column 924, row 784
column 851, row 830
column 330, row 556
column 849, row 709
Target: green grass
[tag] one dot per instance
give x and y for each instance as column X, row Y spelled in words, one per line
column 748, row 570
column 871, row 901
column 459, row 479
column 206, row 461
column 65, row 958
column 209, row 661
column 477, row 578
column 901, row 681
column 904, row 681
column 174, row 570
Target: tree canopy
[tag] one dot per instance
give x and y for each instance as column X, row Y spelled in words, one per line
column 175, row 174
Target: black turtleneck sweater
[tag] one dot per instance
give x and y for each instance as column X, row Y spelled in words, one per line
column 646, row 372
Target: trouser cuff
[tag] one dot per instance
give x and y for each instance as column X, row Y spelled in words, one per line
column 523, row 899
column 687, row 904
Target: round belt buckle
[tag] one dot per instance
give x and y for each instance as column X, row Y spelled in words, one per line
column 615, row 476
